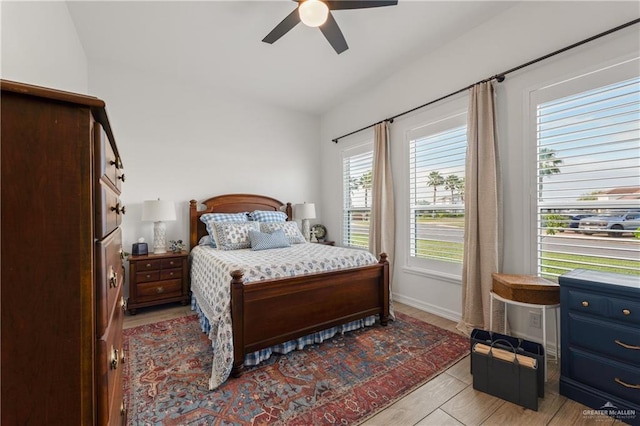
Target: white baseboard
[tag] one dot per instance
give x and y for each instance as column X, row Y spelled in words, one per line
column 427, row 307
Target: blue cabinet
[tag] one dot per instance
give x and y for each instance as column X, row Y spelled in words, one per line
column 600, row 327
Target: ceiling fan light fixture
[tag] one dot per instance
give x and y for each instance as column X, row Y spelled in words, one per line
column 313, row 13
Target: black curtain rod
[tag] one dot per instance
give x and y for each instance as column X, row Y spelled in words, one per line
column 498, row 77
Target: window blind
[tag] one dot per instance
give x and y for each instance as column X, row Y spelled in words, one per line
column 436, row 192
column 588, row 180
column 357, row 181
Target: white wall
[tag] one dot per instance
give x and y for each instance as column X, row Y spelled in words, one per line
column 180, row 141
column 521, row 33
column 39, row 45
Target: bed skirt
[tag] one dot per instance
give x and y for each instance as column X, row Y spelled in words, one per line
column 257, row 357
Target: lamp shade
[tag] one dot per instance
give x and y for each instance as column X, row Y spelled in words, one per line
column 158, row 211
column 313, row 13
column 305, row 211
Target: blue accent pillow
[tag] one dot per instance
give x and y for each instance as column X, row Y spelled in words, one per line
column 268, row 216
column 264, row 241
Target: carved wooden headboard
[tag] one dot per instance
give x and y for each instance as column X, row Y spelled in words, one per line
column 230, row 203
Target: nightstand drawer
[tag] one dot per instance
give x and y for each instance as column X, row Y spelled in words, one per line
column 144, row 277
column 615, row 378
column 172, row 263
column 168, row 274
column 620, row 342
column 159, row 290
column 148, row 265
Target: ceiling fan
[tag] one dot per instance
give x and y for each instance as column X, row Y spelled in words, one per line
column 317, row 13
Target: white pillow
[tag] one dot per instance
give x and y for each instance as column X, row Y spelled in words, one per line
column 234, row 235
column 290, row 229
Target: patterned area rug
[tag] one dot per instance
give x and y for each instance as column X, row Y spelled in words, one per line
column 344, row 380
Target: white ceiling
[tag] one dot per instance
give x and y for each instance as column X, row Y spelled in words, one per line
column 218, row 43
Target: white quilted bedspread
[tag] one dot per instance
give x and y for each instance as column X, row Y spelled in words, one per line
column 211, row 277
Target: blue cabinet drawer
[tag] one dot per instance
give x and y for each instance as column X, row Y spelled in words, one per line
column 617, row 341
column 591, row 303
column 624, row 310
column 622, row 380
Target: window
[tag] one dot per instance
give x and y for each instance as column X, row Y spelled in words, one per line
column 437, row 154
column 357, row 169
column 588, row 173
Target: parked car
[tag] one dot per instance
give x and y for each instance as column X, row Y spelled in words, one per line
column 574, row 219
column 614, row 224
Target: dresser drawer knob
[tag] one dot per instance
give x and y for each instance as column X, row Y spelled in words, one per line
column 123, row 303
column 148, row 276
column 170, row 273
column 148, row 265
column 585, row 303
column 123, row 409
column 625, row 384
column 119, row 209
column 114, row 358
column 626, row 312
column 113, row 277
column 160, row 290
column 121, row 253
column 121, row 177
column 122, row 358
column 624, row 345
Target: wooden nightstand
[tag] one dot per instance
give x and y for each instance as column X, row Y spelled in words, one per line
column 155, row 279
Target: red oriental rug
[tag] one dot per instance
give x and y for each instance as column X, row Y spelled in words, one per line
column 344, row 380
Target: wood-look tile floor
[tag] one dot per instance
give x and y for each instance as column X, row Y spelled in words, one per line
column 449, row 398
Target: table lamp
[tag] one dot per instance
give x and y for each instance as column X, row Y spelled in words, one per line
column 305, row 212
column 158, row 211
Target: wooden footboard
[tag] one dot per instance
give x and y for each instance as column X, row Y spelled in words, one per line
column 266, row 313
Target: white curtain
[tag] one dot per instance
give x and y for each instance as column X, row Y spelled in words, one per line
column 382, row 219
column 483, row 211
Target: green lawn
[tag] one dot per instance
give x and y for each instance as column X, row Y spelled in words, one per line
column 554, row 264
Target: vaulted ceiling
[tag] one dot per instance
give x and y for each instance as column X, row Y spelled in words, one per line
column 218, row 43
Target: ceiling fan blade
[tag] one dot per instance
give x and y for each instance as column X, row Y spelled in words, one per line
column 283, row 27
column 358, row 4
column 332, row 33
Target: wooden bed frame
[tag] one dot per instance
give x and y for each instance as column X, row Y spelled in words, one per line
column 266, row 313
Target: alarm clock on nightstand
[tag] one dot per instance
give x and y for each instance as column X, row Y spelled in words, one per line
column 140, row 248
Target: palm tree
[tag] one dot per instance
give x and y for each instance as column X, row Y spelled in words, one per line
column 547, row 166
column 451, row 183
column 435, row 180
column 365, row 182
column 460, row 188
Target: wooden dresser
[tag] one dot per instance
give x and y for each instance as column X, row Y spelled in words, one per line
column 600, row 364
column 62, row 305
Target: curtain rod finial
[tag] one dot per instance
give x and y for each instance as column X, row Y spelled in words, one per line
column 334, row 140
